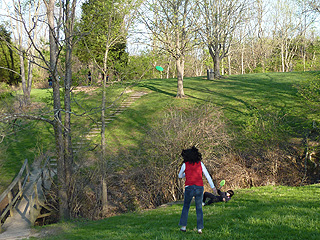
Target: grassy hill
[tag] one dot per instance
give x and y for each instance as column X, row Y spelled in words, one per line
column 241, row 97
column 247, row 101
column 260, row 107
column 284, row 213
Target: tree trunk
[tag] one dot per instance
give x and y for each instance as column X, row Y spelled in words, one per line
column 222, row 68
column 180, row 72
column 103, row 110
column 214, row 53
column 229, row 64
column 242, row 60
column 168, row 68
column 264, row 60
column 216, row 65
column 282, row 56
column 62, row 189
column 104, row 199
column 23, row 76
column 30, row 76
column 104, row 195
column 11, row 74
column 19, row 28
column 68, row 155
column 31, row 50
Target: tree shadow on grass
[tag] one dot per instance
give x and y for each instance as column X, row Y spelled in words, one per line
column 240, row 95
column 158, row 90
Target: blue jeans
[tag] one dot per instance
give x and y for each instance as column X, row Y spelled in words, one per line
column 189, row 193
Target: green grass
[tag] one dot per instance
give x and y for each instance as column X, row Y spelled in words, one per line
column 257, row 213
column 239, row 94
column 243, row 99
column 28, row 140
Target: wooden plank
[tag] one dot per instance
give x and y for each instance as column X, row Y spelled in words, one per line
column 34, row 202
column 14, row 182
column 45, row 215
column 8, row 192
column 10, row 197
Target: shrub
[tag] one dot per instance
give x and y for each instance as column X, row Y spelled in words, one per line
column 157, row 175
column 5, row 90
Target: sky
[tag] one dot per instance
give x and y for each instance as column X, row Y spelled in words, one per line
column 134, row 45
column 136, row 41
column 1, row 7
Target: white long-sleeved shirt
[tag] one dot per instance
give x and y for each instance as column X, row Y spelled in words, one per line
column 204, row 170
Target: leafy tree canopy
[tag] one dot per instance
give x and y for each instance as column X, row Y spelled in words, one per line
column 95, row 29
column 9, row 61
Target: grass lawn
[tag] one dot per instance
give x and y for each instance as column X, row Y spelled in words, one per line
column 239, row 95
column 257, row 213
column 243, row 99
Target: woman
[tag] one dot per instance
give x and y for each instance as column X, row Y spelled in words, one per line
column 192, row 168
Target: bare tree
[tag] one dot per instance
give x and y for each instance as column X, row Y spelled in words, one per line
column 62, row 125
column 262, row 47
column 54, row 30
column 314, row 5
column 115, row 34
column 287, row 30
column 249, row 40
column 173, row 26
column 220, row 19
column 202, row 126
column 62, row 128
column 26, row 27
column 69, row 8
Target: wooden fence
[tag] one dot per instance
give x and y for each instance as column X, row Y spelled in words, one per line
column 36, row 199
column 14, row 191
column 17, row 187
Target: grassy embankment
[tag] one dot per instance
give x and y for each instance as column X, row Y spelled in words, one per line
column 243, row 98
column 257, row 213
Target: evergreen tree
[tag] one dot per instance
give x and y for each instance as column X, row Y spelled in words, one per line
column 8, row 59
column 94, row 29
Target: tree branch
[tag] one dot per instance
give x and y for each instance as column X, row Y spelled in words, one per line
column 6, row 117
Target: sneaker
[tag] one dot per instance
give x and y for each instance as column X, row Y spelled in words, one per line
column 203, row 203
column 183, row 229
column 199, row 231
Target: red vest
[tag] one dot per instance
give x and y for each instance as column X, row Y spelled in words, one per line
column 193, row 174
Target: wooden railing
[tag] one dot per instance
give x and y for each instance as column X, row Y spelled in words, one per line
column 36, row 201
column 18, row 186
column 11, row 194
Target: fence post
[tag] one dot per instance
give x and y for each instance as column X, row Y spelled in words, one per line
column 31, row 211
column 42, row 179
column 35, row 205
column 10, row 197
column 20, row 187
column 36, row 197
column 28, row 172
column 49, row 169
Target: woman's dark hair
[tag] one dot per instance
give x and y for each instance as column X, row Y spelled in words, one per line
column 230, row 192
column 191, row 155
